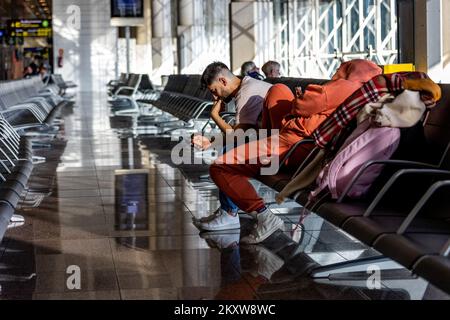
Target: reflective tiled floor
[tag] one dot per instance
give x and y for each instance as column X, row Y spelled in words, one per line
column 117, row 208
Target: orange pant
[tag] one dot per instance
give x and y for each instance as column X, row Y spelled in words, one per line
column 231, row 171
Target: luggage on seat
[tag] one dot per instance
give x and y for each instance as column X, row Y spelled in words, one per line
column 366, row 143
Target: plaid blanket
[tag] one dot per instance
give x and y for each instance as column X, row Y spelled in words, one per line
column 371, row 91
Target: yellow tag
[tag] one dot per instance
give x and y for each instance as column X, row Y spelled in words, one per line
column 401, row 67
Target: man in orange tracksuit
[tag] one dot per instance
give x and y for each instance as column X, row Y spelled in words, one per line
column 296, row 117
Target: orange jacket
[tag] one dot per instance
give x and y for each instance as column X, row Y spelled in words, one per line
column 312, row 107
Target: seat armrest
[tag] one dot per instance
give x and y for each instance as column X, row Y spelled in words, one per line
column 123, row 88
column 292, row 150
column 227, row 113
column 435, row 173
column 421, row 203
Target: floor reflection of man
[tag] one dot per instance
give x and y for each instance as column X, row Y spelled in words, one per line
column 243, row 268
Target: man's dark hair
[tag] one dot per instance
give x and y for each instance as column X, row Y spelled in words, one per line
column 211, row 72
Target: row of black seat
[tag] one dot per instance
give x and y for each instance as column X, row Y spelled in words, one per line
column 28, row 103
column 16, row 166
column 125, row 92
column 184, row 98
column 182, row 102
column 28, row 109
column 128, row 85
column 406, row 216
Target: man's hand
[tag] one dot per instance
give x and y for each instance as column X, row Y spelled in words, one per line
column 217, row 107
column 200, row 142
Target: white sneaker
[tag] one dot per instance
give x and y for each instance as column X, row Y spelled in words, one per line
column 219, row 220
column 267, row 223
column 217, row 212
column 267, row 262
column 221, row 240
column 212, row 216
column 12, row 225
column 17, row 218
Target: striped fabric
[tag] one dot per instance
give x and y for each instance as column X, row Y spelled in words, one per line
column 371, row 91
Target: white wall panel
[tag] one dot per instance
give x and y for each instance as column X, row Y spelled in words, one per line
column 90, row 51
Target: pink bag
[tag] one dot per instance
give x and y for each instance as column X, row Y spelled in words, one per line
column 364, row 144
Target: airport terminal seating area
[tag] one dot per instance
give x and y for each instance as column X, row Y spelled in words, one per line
column 406, row 215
